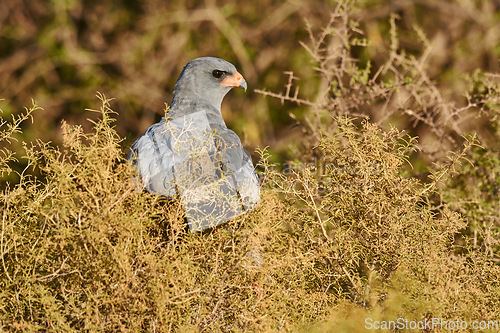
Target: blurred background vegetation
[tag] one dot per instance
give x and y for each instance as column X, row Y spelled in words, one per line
column 61, row 52
column 386, row 225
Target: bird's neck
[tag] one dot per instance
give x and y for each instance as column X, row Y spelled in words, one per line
column 185, row 106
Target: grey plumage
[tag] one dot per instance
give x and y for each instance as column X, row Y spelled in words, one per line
column 192, row 153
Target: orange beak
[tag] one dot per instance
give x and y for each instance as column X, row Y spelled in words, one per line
column 235, row 80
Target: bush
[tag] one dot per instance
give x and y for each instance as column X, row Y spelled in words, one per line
column 83, row 250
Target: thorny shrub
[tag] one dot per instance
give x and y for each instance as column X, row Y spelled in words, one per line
column 354, row 179
column 83, row 250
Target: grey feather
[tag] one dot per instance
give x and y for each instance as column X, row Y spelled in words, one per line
column 191, row 152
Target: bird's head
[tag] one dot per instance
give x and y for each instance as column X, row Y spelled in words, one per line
column 207, row 80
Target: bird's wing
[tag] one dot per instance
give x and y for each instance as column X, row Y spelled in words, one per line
column 153, row 156
column 239, row 164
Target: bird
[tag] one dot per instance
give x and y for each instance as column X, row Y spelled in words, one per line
column 191, row 153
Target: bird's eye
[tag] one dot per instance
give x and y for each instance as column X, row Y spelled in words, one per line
column 217, row 73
